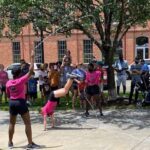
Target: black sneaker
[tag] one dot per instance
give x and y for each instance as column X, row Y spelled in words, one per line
column 33, row 146
column 86, row 114
column 10, row 145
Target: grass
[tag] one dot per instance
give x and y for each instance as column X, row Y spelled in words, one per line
column 62, row 106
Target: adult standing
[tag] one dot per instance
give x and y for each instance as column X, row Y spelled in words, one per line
column 15, row 89
column 25, row 69
column 92, row 88
column 136, row 78
column 121, row 67
column 3, row 80
column 66, row 68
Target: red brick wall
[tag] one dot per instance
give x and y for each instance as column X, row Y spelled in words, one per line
column 74, row 44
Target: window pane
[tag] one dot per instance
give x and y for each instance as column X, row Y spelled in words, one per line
column 62, row 47
column 38, row 51
column 87, row 50
column 16, row 52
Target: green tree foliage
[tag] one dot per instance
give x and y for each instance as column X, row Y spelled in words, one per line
column 110, row 19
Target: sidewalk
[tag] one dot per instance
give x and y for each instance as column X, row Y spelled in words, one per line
column 117, row 130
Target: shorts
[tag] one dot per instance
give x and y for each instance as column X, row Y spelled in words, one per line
column 49, row 108
column 121, row 79
column 54, row 88
column 18, row 106
column 92, row 90
column 75, row 86
column 33, row 95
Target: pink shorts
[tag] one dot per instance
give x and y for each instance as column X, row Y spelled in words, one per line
column 49, row 108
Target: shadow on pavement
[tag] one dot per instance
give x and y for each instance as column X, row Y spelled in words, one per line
column 41, row 147
column 123, row 118
column 127, row 119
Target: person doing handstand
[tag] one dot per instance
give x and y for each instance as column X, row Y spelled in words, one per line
column 53, row 99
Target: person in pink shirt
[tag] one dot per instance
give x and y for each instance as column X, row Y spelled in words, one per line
column 3, row 80
column 92, row 88
column 16, row 91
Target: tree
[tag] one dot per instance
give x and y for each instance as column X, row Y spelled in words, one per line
column 111, row 19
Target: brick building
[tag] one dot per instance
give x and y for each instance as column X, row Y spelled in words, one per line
column 135, row 42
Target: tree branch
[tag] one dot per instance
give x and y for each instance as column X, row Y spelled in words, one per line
column 80, row 27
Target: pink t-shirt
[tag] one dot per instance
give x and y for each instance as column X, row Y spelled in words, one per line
column 93, row 78
column 49, row 108
column 3, row 77
column 16, row 88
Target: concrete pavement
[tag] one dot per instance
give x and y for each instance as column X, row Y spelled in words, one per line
column 116, row 130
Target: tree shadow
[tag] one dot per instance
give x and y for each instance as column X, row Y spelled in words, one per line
column 128, row 119
column 122, row 118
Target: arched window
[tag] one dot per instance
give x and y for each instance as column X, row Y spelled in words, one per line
column 142, row 41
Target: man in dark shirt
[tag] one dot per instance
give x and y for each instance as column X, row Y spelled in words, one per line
column 136, row 79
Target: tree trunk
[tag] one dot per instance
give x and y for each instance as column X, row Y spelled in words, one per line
column 109, row 56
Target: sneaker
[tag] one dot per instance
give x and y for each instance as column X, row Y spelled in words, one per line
column 33, row 146
column 86, row 114
column 10, row 145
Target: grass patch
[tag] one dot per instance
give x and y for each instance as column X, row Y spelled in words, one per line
column 62, row 106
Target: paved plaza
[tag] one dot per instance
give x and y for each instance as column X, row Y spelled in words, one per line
column 116, row 130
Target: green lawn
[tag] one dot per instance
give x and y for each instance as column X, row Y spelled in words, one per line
column 62, row 106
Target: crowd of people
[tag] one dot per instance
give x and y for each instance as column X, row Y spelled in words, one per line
column 56, row 80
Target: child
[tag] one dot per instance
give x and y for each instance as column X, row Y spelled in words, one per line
column 50, row 106
column 32, row 88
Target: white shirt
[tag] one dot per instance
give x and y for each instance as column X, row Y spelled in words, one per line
column 42, row 74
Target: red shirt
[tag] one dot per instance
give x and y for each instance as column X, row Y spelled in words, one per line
column 81, row 85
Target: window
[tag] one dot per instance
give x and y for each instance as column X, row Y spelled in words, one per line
column 87, row 50
column 38, row 52
column 62, row 47
column 16, row 52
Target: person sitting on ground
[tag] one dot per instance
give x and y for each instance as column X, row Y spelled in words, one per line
column 15, row 89
column 53, row 99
